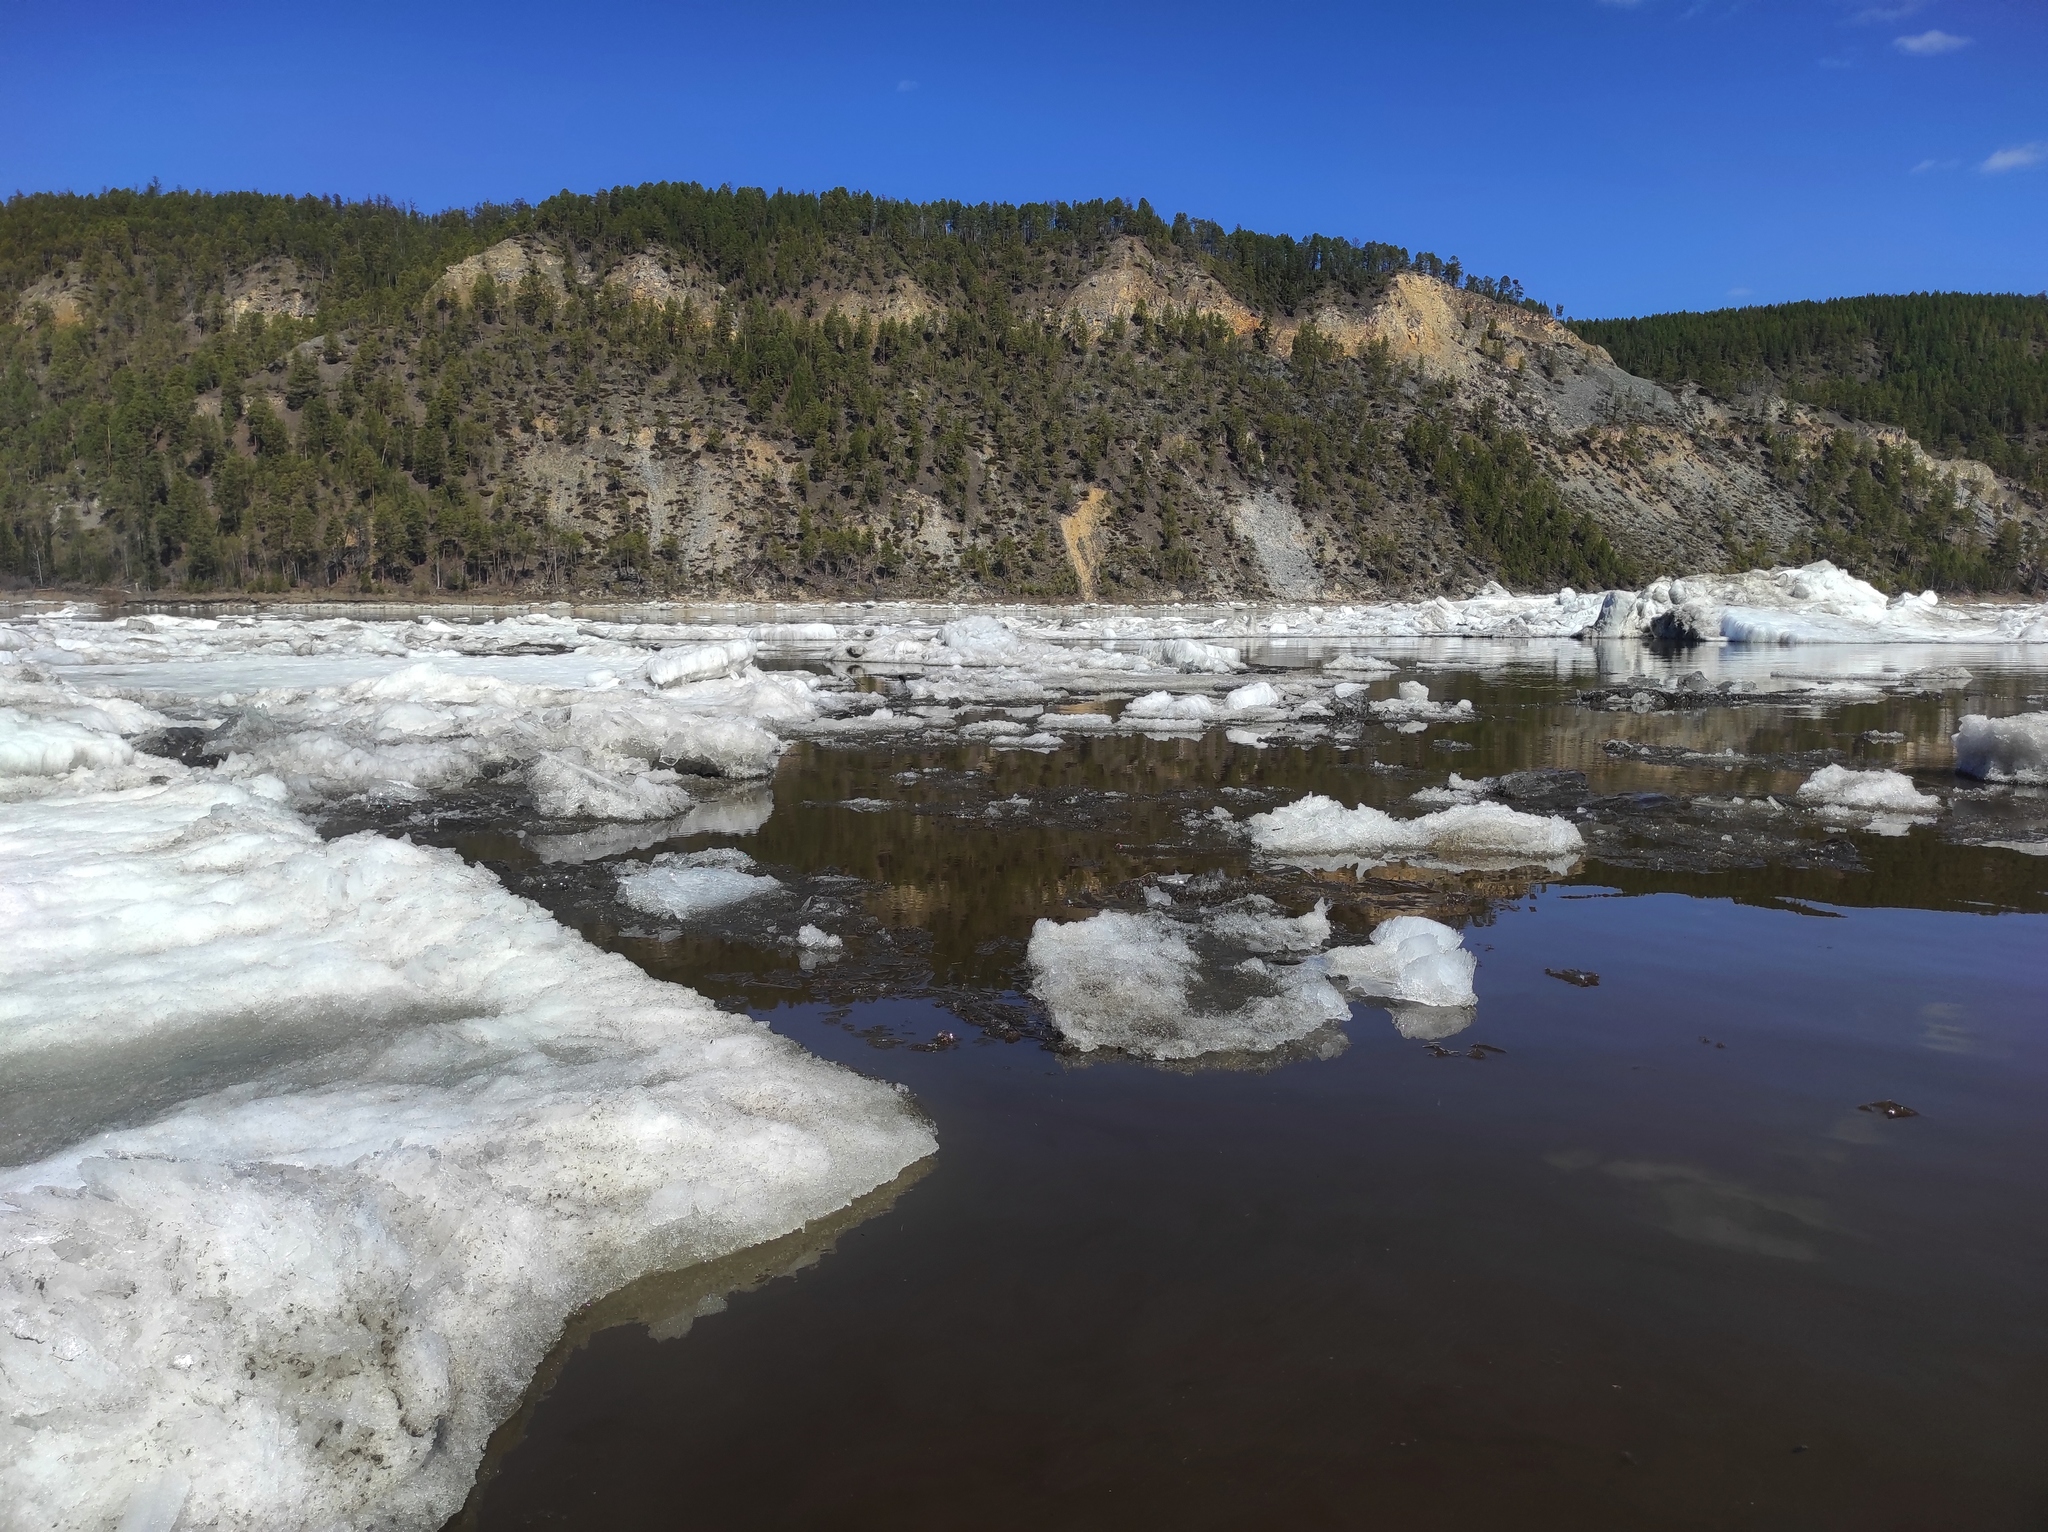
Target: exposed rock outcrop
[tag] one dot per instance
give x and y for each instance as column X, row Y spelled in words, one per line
column 507, row 263
column 655, row 277
column 273, row 288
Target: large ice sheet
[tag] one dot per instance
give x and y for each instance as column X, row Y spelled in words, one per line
column 1465, row 835
column 316, row 1144
column 603, row 752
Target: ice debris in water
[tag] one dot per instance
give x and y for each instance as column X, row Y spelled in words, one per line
column 811, row 939
column 1467, row 835
column 1254, row 694
column 687, row 885
column 1358, row 665
column 1420, row 967
column 1256, row 923
column 2011, row 749
column 1410, row 704
column 302, row 1289
column 1127, row 981
column 1457, row 790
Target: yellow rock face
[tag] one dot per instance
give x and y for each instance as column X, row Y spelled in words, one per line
column 1445, row 331
column 61, row 293
column 1081, row 532
column 1132, row 276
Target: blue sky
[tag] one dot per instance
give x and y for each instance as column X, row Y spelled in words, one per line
column 1617, row 157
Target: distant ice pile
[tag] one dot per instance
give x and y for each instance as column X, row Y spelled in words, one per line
column 1814, row 604
column 997, row 642
column 2011, row 749
column 1471, row 835
column 311, row 1146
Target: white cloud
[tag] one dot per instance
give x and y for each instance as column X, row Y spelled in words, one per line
column 906, row 85
column 1881, row 13
column 1929, row 43
column 2016, row 157
column 1740, row 292
column 1838, row 63
column 1925, row 166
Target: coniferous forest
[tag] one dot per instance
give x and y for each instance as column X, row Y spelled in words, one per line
column 1965, row 374
column 265, row 393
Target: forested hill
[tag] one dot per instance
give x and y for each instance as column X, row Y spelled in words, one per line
column 669, row 389
column 1964, row 373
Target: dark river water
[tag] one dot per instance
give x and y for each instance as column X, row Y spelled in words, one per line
column 1648, row 1265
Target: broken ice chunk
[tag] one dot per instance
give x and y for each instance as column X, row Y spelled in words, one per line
column 1126, row 982
column 1411, row 959
column 565, row 788
column 688, row 886
column 1837, row 789
column 2011, row 749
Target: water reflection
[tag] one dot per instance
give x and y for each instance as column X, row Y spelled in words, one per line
column 1622, row 1245
column 666, row 1305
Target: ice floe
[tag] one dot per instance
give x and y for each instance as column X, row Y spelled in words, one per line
column 1164, row 709
column 1889, row 796
column 691, row 884
column 1409, row 958
column 1464, row 835
column 1128, row 982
